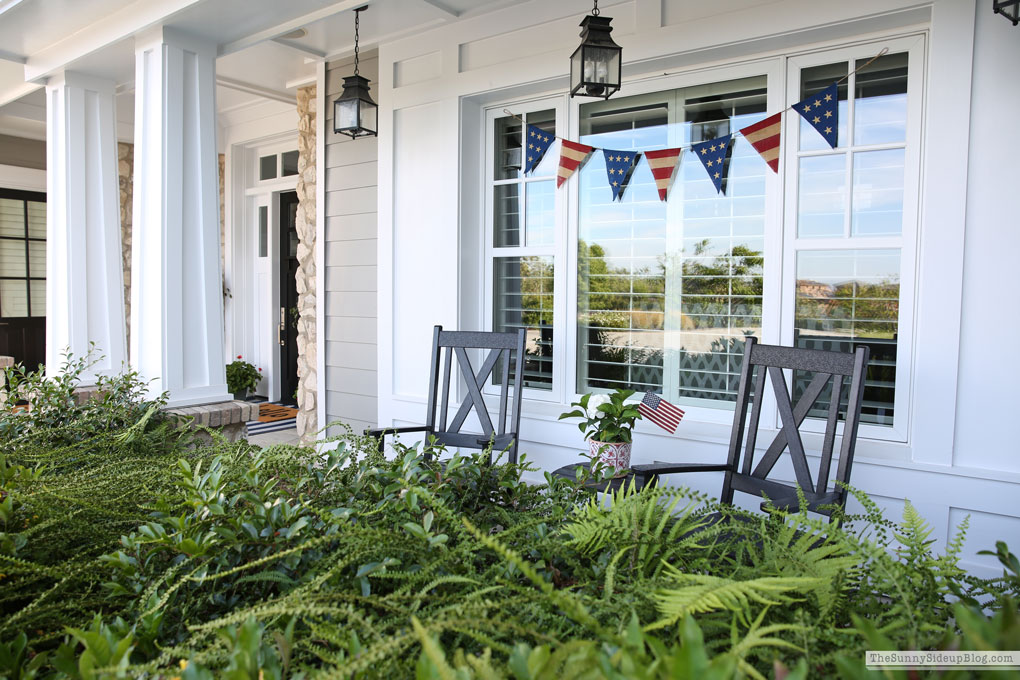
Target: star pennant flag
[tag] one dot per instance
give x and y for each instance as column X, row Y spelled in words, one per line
column 664, row 163
column 714, row 155
column 572, row 156
column 822, row 110
column 661, row 412
column 538, row 143
column 764, row 137
column 619, row 168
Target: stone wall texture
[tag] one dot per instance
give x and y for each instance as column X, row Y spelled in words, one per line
column 307, row 396
column 126, row 173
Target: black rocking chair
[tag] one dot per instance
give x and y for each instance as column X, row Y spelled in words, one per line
column 504, row 348
column 827, row 367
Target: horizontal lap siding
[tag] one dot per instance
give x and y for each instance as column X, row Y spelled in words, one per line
column 350, row 265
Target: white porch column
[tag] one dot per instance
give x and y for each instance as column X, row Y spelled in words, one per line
column 176, row 284
column 84, row 276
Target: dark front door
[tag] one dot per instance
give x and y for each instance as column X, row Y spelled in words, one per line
column 288, row 297
column 23, row 276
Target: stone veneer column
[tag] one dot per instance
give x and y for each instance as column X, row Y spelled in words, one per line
column 176, row 286
column 84, row 293
column 307, row 396
column 126, row 172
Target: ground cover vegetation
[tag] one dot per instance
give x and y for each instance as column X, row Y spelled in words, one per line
column 128, row 551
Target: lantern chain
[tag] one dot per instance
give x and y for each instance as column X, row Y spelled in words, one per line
column 357, row 30
column 595, row 10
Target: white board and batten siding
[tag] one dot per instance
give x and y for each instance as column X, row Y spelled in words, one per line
column 350, row 263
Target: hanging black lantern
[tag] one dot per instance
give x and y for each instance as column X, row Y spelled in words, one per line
column 595, row 66
column 1008, row 8
column 354, row 112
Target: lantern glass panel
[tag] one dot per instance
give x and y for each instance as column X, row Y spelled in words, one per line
column 575, row 68
column 346, row 113
column 369, row 116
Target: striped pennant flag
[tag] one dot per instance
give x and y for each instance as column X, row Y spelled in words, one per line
column 661, row 412
column 664, row 163
column 572, row 156
column 764, row 137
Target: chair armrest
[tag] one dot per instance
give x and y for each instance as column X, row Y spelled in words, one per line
column 674, row 468
column 792, row 503
column 383, row 431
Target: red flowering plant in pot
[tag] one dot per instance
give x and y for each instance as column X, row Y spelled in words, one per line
column 242, row 378
column 607, row 423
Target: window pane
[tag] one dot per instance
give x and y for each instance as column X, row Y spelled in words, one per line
column 12, row 217
column 848, row 298
column 816, row 79
column 621, row 295
column 822, row 201
column 263, row 231
column 540, row 220
column 506, row 217
column 289, row 160
column 36, row 219
column 37, row 289
column 267, row 167
column 12, row 258
column 523, row 298
column 878, row 193
column 880, row 110
column 667, row 291
column 37, row 259
column 13, row 299
column 507, row 155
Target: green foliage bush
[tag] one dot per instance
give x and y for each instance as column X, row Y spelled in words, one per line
column 128, row 551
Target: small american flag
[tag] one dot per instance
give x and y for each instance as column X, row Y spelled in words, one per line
column 661, row 412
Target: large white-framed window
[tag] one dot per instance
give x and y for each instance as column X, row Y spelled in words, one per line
column 658, row 296
column 524, row 245
column 851, row 219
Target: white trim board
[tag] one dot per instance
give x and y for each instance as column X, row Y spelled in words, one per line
column 26, row 179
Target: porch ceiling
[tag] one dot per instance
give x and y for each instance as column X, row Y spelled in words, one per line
column 267, row 48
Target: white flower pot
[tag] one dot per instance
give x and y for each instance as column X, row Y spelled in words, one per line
column 616, row 455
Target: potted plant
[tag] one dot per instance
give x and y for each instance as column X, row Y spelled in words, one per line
column 607, row 424
column 242, row 378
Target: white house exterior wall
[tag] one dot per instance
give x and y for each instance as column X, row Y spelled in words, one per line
column 961, row 452
column 350, row 299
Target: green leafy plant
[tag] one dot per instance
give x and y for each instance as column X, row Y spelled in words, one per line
column 130, row 549
column 242, row 376
column 605, row 417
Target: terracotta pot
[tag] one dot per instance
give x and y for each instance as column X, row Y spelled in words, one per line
column 616, row 455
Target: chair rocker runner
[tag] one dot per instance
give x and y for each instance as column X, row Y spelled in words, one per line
column 505, row 350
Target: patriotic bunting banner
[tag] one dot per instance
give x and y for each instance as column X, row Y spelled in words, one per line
column 661, row 412
column 572, row 156
column 714, row 155
column 764, row 137
column 821, row 110
column 538, row 143
column 664, row 163
column 619, row 168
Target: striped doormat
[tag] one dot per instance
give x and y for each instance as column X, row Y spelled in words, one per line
column 273, row 417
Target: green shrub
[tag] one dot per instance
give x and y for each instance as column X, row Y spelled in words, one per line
column 124, row 553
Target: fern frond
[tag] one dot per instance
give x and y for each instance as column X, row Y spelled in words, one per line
column 705, row 593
